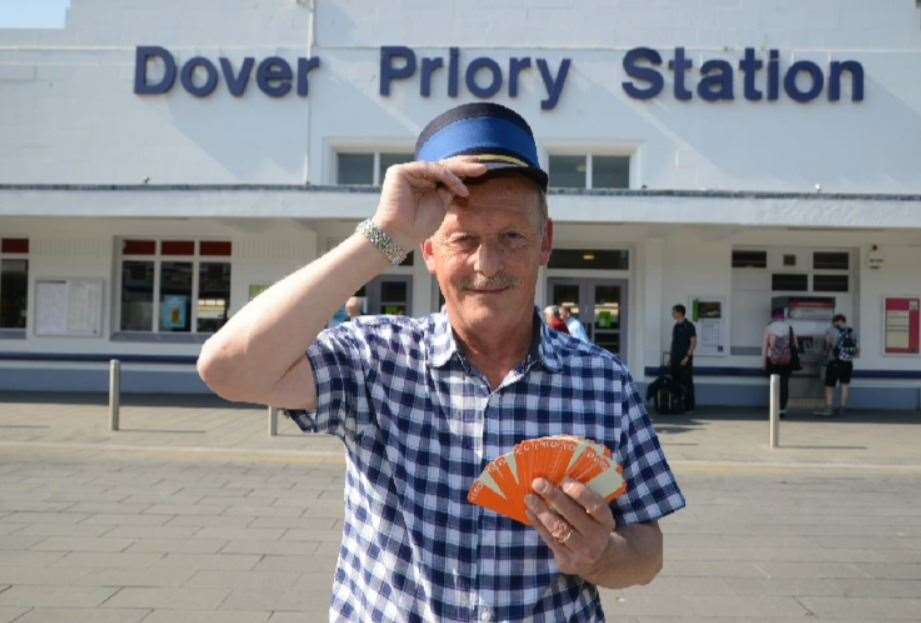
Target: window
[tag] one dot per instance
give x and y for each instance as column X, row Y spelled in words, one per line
column 617, row 259
column 387, row 160
column 830, row 283
column 394, row 297
column 589, row 171
column 568, row 171
column 610, row 171
column 789, row 259
column 749, row 259
column 388, row 294
column 823, row 260
column 213, row 295
column 368, row 168
column 189, row 280
column 790, row 282
column 14, row 282
column 355, row 169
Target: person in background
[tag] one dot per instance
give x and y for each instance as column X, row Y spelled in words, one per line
column 354, row 307
column 840, row 351
column 575, row 326
column 779, row 349
column 681, row 354
column 554, row 319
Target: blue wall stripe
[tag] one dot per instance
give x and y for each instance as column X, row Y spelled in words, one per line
column 192, row 359
column 758, row 372
column 98, row 357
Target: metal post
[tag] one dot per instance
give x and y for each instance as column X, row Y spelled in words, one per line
column 115, row 381
column 273, row 421
column 775, row 410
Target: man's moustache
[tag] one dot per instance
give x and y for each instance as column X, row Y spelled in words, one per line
column 500, row 282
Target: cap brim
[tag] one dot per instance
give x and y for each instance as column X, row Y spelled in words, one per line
column 495, row 169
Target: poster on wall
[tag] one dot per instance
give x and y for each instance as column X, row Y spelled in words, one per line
column 174, row 313
column 901, row 325
column 709, row 314
column 69, row 307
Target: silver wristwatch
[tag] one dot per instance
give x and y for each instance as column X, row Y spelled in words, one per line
column 382, row 241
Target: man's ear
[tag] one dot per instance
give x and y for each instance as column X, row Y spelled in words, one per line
column 546, row 243
column 428, row 254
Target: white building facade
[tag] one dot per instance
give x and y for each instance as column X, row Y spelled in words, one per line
column 164, row 162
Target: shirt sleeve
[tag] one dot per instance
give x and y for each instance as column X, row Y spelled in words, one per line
column 692, row 330
column 337, row 358
column 652, row 491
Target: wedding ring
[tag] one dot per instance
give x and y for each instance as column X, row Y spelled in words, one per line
column 592, row 511
column 565, row 537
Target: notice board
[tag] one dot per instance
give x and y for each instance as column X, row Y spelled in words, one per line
column 709, row 314
column 901, row 325
column 68, row 307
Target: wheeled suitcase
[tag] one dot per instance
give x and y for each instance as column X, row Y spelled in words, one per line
column 669, row 398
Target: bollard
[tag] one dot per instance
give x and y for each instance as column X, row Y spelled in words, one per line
column 115, row 374
column 775, row 410
column 273, row 421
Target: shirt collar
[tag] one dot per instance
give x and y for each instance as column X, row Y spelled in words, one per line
column 442, row 345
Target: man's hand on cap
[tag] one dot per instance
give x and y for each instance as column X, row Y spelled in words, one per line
column 415, row 197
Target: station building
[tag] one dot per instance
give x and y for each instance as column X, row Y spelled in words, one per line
column 163, row 163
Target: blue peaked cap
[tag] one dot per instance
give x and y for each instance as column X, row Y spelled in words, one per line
column 499, row 137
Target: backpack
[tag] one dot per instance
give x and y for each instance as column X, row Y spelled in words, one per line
column 846, row 346
column 781, row 353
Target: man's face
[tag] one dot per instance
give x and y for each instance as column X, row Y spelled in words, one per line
column 488, row 250
column 566, row 313
column 677, row 315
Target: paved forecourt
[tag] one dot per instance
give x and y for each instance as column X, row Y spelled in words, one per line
column 192, row 513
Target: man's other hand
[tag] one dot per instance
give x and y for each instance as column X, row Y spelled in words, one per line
column 576, row 524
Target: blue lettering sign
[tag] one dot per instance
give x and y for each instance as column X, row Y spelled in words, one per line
column 200, row 77
column 484, row 77
column 803, row 81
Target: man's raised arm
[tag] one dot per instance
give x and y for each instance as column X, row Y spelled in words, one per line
column 259, row 354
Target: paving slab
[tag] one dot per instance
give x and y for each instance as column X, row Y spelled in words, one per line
column 56, row 596
column 168, row 598
column 83, row 615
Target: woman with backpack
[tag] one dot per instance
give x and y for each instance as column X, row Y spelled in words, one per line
column 780, row 350
column 841, row 349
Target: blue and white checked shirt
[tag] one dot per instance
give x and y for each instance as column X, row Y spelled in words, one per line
column 420, row 424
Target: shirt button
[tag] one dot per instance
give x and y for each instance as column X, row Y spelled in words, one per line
column 486, row 614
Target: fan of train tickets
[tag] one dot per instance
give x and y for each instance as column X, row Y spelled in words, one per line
column 506, row 481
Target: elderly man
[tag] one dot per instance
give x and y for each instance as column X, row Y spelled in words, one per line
column 423, row 405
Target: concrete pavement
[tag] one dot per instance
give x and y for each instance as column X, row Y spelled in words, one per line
column 192, row 513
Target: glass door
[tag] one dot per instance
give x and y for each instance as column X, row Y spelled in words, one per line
column 599, row 304
column 390, row 294
column 606, row 316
